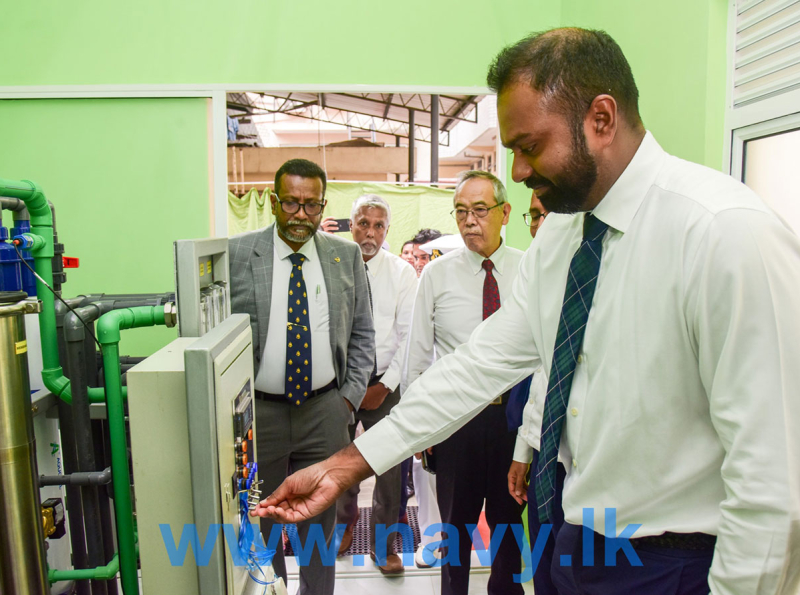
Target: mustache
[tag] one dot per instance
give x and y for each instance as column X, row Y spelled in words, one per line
column 307, row 224
column 532, row 181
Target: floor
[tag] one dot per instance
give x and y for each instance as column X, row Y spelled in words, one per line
column 365, row 579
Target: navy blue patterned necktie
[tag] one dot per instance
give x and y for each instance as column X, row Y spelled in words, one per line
column 297, row 386
column 581, row 282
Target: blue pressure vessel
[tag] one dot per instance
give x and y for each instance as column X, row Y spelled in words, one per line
column 10, row 273
column 28, row 280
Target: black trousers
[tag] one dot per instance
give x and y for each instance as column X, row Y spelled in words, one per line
column 663, row 571
column 472, row 465
column 542, row 581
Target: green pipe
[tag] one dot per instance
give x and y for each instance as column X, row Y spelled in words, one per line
column 42, row 227
column 59, row 385
column 103, row 573
column 108, row 334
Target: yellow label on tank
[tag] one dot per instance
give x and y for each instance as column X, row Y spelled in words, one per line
column 21, row 347
column 208, row 267
column 202, row 269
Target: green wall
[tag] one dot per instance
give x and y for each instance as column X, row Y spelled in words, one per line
column 122, row 174
column 421, row 42
column 158, row 168
column 677, row 52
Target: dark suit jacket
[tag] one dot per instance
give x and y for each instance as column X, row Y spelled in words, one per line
column 351, row 330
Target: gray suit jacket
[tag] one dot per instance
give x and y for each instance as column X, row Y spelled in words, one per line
column 351, row 330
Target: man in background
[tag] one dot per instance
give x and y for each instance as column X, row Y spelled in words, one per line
column 393, row 284
column 422, row 258
column 313, row 342
column 457, row 292
column 526, row 403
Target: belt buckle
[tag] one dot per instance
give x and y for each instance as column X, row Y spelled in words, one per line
column 497, row 401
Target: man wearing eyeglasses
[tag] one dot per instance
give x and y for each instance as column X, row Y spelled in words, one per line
column 313, row 343
column 457, row 292
column 535, row 215
column 526, row 404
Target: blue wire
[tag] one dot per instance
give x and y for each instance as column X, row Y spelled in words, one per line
column 254, row 554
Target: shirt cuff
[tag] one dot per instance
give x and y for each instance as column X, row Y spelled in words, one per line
column 523, row 452
column 390, row 379
column 373, row 443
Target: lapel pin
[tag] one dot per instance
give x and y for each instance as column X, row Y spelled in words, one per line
column 336, row 259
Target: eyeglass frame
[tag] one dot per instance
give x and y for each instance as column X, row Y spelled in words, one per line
column 537, row 221
column 300, row 205
column 474, row 214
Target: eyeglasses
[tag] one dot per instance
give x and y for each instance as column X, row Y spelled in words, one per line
column 291, row 206
column 531, row 220
column 479, row 212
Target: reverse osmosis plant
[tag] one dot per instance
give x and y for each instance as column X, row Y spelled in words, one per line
column 117, row 416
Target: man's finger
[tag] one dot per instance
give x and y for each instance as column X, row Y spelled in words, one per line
column 521, row 487
column 279, row 496
column 512, row 486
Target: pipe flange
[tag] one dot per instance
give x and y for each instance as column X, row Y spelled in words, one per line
column 170, row 314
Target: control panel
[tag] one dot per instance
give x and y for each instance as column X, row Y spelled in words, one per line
column 243, row 443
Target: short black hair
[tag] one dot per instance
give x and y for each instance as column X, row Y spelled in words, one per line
column 303, row 168
column 575, row 66
column 426, row 235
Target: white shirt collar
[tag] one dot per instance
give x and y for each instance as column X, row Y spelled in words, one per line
column 476, row 260
column 283, row 250
column 375, row 263
column 620, row 204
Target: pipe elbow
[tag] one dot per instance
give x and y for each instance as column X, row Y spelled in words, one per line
column 110, row 324
column 37, row 205
column 55, row 381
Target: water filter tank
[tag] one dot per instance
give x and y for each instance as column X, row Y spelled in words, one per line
column 28, row 280
column 10, row 265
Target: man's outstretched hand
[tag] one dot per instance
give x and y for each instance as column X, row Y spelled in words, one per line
column 308, row 492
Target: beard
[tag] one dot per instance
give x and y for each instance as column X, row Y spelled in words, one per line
column 299, row 231
column 570, row 193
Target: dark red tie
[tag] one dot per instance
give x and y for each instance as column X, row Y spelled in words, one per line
column 491, row 295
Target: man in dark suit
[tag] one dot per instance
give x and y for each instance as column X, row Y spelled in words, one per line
column 313, row 342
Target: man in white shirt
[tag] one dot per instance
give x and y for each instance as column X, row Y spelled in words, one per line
column 393, row 283
column 527, row 416
column 456, row 293
column 685, row 389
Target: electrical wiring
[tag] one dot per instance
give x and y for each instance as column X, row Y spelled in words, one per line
column 254, row 554
column 16, row 243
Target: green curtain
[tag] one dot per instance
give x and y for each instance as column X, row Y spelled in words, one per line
column 248, row 212
column 413, row 208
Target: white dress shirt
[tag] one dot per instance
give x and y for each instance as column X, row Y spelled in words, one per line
column 449, row 304
column 393, row 283
column 686, row 396
column 529, row 433
column 272, row 372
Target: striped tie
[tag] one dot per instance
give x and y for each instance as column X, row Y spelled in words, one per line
column 581, row 282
